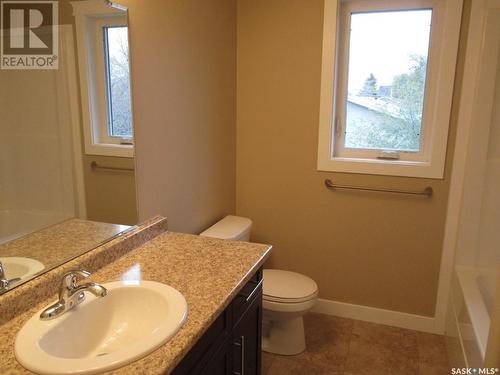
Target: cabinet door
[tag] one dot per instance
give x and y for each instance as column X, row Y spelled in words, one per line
column 220, row 364
column 208, row 349
column 246, row 340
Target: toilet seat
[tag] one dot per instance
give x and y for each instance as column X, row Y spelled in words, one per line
column 288, row 287
column 289, row 300
column 293, row 308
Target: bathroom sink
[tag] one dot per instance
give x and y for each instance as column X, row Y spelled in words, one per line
column 20, row 267
column 103, row 333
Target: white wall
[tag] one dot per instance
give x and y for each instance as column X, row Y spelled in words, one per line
column 489, row 234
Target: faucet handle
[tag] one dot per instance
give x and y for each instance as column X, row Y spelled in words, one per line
column 70, row 279
column 2, row 271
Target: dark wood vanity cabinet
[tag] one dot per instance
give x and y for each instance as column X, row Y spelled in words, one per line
column 232, row 344
column 246, row 345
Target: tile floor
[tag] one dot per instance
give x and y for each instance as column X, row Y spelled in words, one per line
column 339, row 346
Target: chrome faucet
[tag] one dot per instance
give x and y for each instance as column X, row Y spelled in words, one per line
column 4, row 282
column 71, row 294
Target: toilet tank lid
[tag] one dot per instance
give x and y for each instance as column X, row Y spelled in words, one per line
column 229, row 228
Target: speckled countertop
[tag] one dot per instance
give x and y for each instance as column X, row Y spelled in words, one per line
column 208, row 272
column 60, row 242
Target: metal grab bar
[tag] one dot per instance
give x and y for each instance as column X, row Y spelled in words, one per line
column 427, row 192
column 96, row 167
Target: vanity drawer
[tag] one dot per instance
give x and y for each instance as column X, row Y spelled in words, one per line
column 251, row 290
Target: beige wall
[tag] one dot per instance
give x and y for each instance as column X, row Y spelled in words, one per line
column 110, row 196
column 66, row 11
column 183, row 77
column 369, row 249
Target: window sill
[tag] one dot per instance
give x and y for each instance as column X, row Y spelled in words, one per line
column 382, row 167
column 103, row 149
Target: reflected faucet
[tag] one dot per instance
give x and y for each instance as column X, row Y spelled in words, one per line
column 4, row 282
column 71, row 294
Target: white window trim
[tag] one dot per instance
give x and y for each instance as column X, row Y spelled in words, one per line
column 90, row 17
column 443, row 52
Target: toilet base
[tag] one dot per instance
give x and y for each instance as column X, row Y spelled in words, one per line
column 285, row 336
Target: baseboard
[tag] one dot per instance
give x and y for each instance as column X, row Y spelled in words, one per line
column 380, row 316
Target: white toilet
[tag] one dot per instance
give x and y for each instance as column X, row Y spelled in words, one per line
column 287, row 296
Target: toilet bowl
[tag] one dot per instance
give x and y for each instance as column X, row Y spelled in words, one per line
column 287, row 296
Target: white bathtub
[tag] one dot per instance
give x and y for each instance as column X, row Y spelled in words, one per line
column 487, row 287
column 17, row 223
column 472, row 307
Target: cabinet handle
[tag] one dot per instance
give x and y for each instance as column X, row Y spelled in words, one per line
column 249, row 297
column 241, row 344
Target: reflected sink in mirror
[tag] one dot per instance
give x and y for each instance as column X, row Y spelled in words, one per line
column 54, row 245
column 103, row 333
column 20, row 267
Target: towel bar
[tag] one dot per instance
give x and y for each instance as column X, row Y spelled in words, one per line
column 97, row 167
column 427, row 192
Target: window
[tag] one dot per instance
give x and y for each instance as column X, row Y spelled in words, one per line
column 103, row 54
column 387, row 83
column 384, row 98
column 117, row 78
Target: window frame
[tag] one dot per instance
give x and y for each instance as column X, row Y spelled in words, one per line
column 441, row 62
column 91, row 17
column 346, row 11
column 104, row 131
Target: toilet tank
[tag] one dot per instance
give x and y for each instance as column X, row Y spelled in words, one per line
column 230, row 228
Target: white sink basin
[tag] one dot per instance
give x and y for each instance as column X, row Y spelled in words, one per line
column 19, row 267
column 103, row 333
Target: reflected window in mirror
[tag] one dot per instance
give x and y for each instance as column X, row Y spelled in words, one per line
column 103, row 55
column 119, row 108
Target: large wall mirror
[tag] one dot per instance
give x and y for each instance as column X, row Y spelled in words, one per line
column 66, row 133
